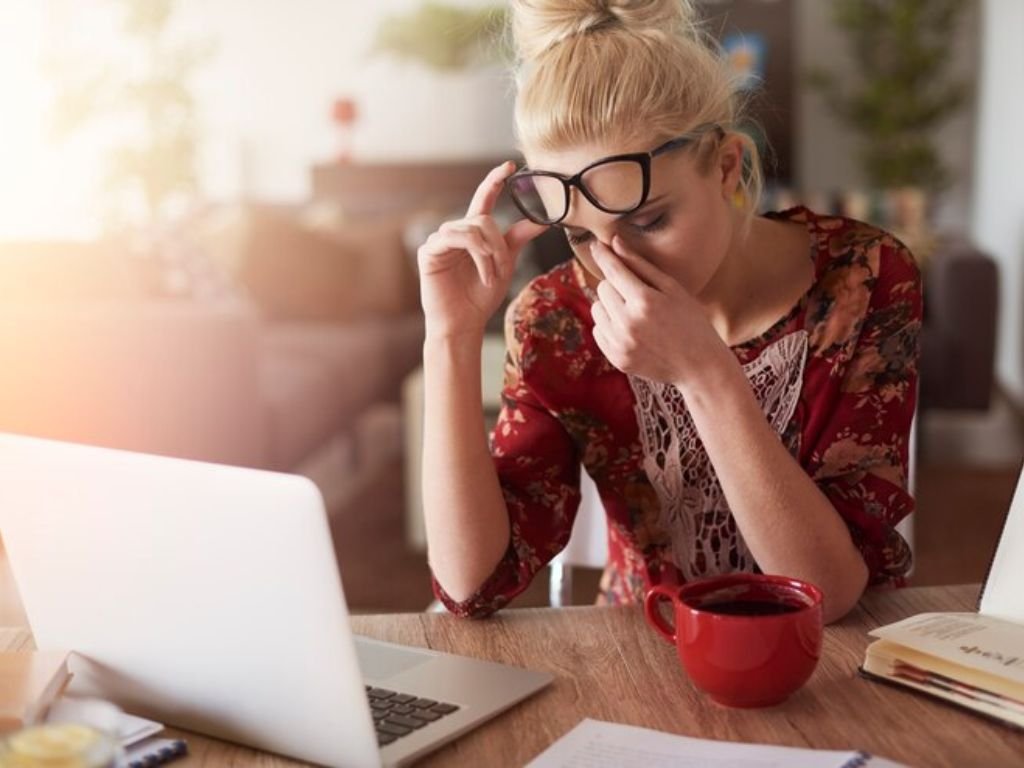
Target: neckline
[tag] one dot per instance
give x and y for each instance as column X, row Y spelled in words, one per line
column 802, row 215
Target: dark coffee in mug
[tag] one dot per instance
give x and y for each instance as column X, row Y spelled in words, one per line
column 749, row 607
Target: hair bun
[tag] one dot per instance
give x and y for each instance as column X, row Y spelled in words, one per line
column 540, row 24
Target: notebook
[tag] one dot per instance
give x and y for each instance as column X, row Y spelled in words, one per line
column 30, row 681
column 208, row 597
column 973, row 660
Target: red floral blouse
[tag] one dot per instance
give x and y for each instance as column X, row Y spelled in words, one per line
column 836, row 378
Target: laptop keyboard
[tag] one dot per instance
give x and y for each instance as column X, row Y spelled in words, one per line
column 398, row 714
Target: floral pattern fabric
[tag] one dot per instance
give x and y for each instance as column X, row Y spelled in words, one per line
column 564, row 406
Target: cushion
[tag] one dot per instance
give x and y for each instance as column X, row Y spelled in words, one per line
column 296, row 271
column 317, row 378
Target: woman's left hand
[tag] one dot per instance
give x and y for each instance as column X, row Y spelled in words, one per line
column 648, row 325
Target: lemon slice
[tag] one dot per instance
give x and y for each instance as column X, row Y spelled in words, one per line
column 66, row 745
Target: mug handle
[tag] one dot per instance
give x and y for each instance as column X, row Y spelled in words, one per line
column 653, row 597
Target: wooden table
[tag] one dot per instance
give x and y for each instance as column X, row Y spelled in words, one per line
column 608, row 665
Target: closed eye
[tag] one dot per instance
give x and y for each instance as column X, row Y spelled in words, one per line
column 579, row 238
column 653, row 225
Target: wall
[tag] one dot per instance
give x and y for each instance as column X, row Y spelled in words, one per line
column 997, row 220
column 282, row 64
column 275, row 123
column 280, row 127
column 265, row 100
column 267, row 95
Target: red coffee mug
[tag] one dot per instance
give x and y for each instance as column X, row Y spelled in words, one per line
column 747, row 640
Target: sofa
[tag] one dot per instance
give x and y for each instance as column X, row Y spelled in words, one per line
column 293, row 362
column 958, row 339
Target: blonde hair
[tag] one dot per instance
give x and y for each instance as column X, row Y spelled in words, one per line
column 591, row 71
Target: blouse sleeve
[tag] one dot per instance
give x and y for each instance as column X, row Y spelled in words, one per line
column 538, row 466
column 861, row 459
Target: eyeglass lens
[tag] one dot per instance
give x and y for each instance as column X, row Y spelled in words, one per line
column 617, row 187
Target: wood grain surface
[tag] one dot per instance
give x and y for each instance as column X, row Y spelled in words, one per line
column 609, row 665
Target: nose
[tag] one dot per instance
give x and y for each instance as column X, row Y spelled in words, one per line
column 585, row 215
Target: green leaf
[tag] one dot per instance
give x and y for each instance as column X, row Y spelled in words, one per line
column 444, row 37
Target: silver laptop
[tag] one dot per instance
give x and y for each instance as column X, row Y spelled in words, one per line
column 208, row 597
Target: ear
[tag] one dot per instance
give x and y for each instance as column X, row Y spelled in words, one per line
column 730, row 166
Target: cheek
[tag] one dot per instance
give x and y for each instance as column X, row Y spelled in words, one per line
column 691, row 251
column 582, row 254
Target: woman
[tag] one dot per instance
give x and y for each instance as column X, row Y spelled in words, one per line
column 740, row 387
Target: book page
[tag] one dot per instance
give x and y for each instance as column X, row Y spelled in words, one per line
column 954, row 684
column 1003, row 596
column 898, row 661
column 973, row 640
column 597, row 744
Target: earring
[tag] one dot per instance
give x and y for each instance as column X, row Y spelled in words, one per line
column 739, row 199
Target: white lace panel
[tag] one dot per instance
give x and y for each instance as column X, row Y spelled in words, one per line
column 705, row 540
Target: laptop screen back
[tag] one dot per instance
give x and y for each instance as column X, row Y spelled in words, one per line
column 204, row 596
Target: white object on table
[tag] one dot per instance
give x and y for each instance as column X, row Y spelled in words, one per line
column 597, row 744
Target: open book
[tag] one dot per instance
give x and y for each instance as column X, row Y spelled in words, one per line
column 975, row 660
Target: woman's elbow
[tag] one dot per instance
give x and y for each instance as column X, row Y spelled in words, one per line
column 842, row 597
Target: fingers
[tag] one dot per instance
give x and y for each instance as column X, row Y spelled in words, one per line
column 521, row 233
column 504, row 255
column 487, row 193
column 482, row 226
column 626, row 302
column 493, row 252
column 642, row 268
column 601, row 337
column 470, row 239
column 623, row 279
column 504, row 264
column 504, row 248
column 612, row 303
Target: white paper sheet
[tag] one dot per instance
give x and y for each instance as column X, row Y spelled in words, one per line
column 1003, row 596
column 597, row 744
column 129, row 728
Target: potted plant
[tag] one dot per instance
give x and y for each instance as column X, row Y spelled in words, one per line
column 440, row 65
column 901, row 94
column 903, row 91
column 150, row 173
column 445, row 37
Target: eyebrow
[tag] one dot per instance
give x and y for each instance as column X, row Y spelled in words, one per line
column 649, row 202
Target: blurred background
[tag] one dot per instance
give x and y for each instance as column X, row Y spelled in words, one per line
column 209, row 211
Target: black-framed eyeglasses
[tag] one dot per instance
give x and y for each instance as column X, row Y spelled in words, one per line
column 618, row 184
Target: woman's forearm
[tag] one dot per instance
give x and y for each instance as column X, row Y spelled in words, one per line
column 465, row 515
column 788, row 524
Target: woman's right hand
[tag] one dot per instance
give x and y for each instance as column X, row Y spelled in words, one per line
column 466, row 266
